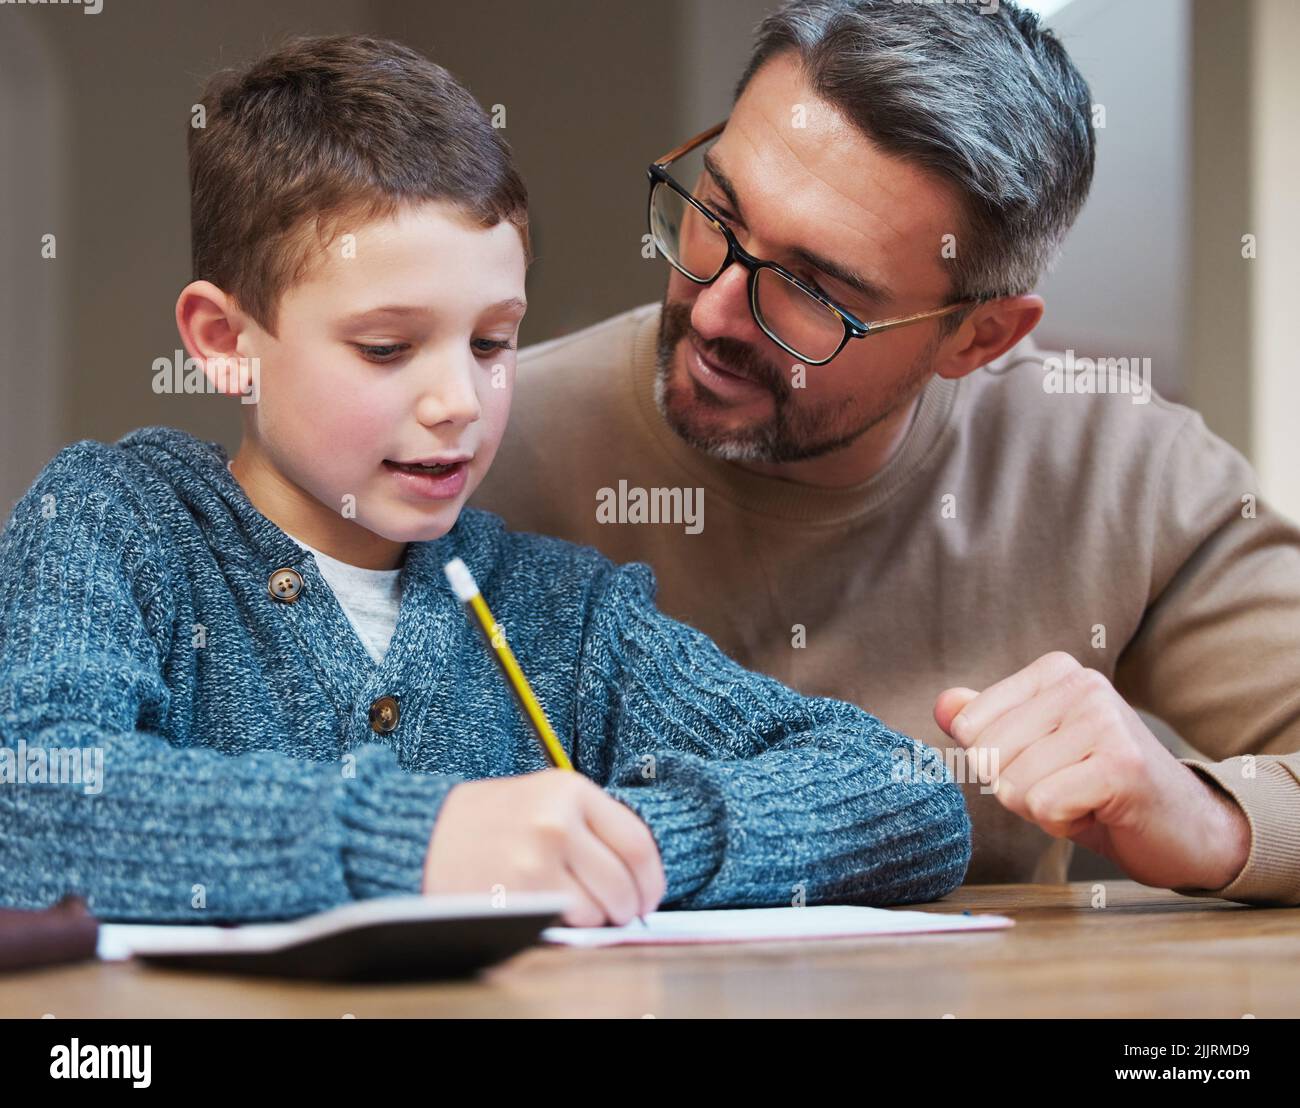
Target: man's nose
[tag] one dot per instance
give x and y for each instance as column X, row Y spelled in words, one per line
column 721, row 310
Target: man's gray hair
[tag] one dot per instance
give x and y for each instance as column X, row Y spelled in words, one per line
column 980, row 95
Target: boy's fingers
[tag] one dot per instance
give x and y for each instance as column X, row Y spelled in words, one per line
column 604, row 875
column 583, row 910
column 624, row 832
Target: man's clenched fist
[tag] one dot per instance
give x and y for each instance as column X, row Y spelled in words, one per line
column 1074, row 758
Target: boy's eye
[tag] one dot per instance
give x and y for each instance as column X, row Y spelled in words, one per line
column 491, row 346
column 390, row 352
column 381, row 354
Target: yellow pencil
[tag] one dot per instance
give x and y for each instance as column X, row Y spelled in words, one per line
column 467, row 592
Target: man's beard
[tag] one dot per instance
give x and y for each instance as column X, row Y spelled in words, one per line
column 794, row 432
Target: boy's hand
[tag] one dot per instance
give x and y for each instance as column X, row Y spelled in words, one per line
column 552, row 831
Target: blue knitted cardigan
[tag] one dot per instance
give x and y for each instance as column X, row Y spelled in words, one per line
column 243, row 778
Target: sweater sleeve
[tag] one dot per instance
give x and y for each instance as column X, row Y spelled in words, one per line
column 1267, row 789
column 147, row 830
column 756, row 795
column 1217, row 655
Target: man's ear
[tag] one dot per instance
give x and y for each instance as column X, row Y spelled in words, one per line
column 210, row 323
column 987, row 333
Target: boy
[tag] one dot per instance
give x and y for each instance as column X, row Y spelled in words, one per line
column 291, row 708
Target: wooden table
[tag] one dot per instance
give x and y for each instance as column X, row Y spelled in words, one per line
column 1147, row 953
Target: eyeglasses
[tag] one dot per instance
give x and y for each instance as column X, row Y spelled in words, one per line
column 700, row 246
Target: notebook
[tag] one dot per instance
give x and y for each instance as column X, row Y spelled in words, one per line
column 748, row 925
column 381, row 939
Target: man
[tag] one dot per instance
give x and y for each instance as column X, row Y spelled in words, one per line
column 903, row 517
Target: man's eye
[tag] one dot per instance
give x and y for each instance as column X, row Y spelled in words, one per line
column 381, row 354
column 812, row 284
column 491, row 346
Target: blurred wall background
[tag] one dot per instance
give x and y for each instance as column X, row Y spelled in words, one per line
column 1197, row 149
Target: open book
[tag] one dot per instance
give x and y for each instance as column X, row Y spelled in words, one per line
column 748, row 925
column 414, row 937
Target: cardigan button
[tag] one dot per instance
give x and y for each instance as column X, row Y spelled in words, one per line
column 285, row 585
column 384, row 714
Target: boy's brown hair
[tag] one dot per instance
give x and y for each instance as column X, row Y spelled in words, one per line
column 331, row 127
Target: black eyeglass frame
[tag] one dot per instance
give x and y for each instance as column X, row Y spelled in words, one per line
column 854, row 328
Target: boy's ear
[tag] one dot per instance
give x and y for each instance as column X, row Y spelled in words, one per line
column 987, row 333
column 209, row 324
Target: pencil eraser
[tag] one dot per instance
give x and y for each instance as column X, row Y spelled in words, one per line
column 461, row 580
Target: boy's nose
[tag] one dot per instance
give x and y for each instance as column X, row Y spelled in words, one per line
column 451, row 398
